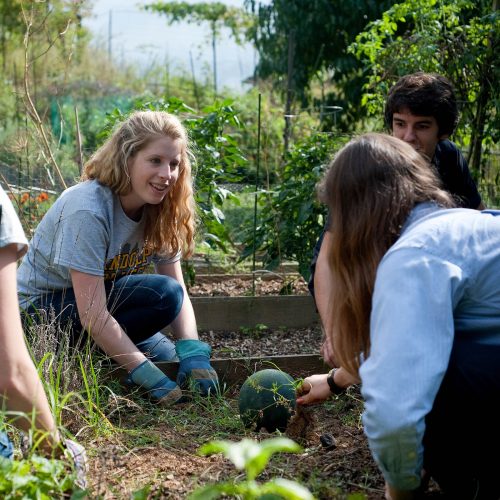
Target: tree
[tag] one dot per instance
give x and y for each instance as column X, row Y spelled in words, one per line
column 457, row 38
column 217, row 14
column 319, row 32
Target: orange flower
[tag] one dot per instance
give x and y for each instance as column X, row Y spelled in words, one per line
column 25, row 197
column 42, row 197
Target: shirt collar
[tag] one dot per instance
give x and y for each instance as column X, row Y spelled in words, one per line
column 418, row 212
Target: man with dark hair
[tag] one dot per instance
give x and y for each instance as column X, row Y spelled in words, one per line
column 421, row 109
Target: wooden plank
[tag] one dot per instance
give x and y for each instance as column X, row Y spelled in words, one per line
column 231, row 313
column 234, row 371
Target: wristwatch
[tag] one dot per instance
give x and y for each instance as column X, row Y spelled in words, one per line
column 334, row 388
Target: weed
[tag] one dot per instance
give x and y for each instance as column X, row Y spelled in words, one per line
column 256, row 331
column 71, row 375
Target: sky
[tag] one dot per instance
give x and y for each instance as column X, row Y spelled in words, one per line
column 142, row 37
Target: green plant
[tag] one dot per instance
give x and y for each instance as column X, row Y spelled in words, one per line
column 255, row 332
column 295, row 44
column 252, row 457
column 31, row 207
column 71, row 375
column 37, row 477
column 291, row 218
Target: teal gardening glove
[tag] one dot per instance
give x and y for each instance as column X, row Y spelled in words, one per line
column 160, row 388
column 194, row 364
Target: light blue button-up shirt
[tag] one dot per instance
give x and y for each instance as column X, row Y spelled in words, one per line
column 440, row 279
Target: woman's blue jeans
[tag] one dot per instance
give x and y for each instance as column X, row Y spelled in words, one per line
column 6, row 448
column 142, row 304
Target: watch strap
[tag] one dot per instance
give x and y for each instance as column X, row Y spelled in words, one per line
column 334, row 388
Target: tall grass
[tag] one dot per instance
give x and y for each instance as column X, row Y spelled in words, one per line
column 72, row 376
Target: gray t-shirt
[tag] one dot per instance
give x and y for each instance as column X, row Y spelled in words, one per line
column 86, row 230
column 11, row 231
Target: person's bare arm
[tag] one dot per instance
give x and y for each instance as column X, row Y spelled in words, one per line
column 102, row 326
column 315, row 389
column 20, row 385
column 322, row 292
column 184, row 326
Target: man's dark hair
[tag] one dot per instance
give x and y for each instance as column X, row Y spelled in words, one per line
column 424, row 94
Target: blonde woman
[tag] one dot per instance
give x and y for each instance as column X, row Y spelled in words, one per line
column 88, row 255
column 415, row 314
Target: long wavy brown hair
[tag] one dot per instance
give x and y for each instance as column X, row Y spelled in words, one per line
column 170, row 224
column 371, row 186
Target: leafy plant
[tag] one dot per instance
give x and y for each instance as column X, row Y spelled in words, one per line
column 295, row 44
column 37, row 477
column 255, row 332
column 252, row 457
column 291, row 218
column 32, row 206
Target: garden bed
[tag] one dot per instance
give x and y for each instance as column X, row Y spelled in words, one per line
column 154, row 450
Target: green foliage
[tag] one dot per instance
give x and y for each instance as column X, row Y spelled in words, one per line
column 217, row 152
column 31, row 207
column 36, row 477
column 290, row 218
column 317, row 35
column 256, row 332
column 252, row 457
column 456, row 38
column 216, row 13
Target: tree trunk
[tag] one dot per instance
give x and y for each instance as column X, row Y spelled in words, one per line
column 487, row 80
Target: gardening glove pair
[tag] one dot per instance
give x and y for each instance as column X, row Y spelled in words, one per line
column 194, row 365
column 160, row 388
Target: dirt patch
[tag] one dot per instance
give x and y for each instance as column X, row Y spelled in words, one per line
column 263, row 341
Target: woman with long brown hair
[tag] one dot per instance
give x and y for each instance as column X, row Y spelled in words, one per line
column 415, row 314
column 133, row 207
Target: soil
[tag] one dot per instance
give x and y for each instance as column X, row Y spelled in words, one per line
column 161, row 458
column 263, row 284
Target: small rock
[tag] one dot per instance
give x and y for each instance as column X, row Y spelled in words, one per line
column 328, row 441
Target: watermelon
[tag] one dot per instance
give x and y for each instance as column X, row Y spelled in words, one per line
column 267, row 399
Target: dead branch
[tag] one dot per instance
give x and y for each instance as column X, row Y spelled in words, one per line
column 30, row 106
